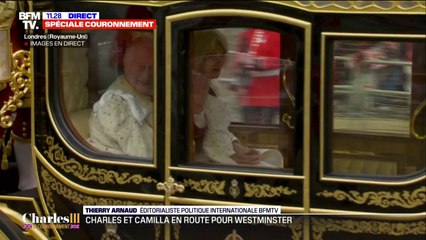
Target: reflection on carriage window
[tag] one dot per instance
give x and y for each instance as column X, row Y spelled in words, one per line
column 235, row 95
column 108, row 92
column 259, row 75
column 377, row 87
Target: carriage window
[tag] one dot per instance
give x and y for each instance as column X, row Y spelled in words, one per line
column 378, row 107
column 106, row 87
column 238, row 78
column 108, row 90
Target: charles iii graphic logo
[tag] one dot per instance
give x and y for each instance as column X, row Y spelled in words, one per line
column 29, row 19
column 71, row 221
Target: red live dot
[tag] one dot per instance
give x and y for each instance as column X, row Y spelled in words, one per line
column 25, row 43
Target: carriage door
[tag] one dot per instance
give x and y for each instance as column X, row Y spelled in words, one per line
column 371, row 139
column 88, row 145
column 253, row 68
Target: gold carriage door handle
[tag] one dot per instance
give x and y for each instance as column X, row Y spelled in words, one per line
column 413, row 120
column 170, row 186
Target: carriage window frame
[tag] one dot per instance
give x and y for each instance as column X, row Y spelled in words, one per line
column 326, row 111
column 66, row 130
column 175, row 24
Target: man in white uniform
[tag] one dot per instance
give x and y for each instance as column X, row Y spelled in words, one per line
column 121, row 121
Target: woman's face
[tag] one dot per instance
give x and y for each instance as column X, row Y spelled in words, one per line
column 212, row 64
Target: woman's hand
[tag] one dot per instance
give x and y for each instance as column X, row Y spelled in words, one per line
column 245, row 155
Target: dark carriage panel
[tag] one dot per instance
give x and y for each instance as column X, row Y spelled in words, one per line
column 316, row 108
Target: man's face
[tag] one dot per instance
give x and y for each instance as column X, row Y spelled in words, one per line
column 138, row 68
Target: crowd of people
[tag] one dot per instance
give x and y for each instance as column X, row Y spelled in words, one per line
column 384, row 59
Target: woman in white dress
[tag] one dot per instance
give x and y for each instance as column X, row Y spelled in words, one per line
column 209, row 48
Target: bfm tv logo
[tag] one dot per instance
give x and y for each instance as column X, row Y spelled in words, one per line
column 71, row 221
column 29, row 19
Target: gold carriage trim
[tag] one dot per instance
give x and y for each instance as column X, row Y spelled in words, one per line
column 153, row 3
column 383, row 199
column 20, row 86
column 404, row 7
column 170, row 186
column 205, row 186
column 51, row 185
column 296, row 228
column 417, row 111
column 321, row 225
column 84, row 172
column 266, row 191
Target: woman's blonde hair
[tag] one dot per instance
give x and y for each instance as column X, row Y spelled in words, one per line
column 205, row 42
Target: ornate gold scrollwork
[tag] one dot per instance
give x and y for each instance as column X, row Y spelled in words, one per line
column 264, row 190
column 321, row 225
column 20, row 85
column 413, row 120
column 205, row 186
column 170, row 186
column 286, row 118
column 49, row 185
column 234, row 189
column 296, row 228
column 110, row 232
column 233, row 236
column 358, row 6
column 382, row 199
column 84, row 172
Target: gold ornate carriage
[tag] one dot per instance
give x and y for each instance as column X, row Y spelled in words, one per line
column 353, row 148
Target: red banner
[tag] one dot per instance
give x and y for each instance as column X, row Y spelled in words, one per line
column 108, row 24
